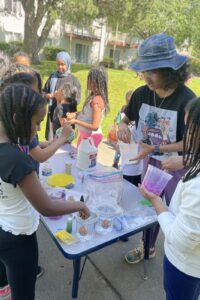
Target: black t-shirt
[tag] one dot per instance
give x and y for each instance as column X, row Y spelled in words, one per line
column 14, row 164
column 159, row 122
column 60, row 112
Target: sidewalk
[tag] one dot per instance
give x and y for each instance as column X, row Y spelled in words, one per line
column 106, row 276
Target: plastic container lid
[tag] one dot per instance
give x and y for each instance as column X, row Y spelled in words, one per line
column 60, row 180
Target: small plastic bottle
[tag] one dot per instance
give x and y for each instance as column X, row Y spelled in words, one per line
column 46, row 172
column 69, row 223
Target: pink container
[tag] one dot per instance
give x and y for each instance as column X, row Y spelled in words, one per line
column 155, row 180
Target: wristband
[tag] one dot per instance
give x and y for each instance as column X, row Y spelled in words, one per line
column 157, row 150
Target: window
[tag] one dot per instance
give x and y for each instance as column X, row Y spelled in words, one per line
column 81, row 53
column 115, row 55
column 12, row 6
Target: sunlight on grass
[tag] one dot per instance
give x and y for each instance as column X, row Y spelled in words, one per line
column 119, row 82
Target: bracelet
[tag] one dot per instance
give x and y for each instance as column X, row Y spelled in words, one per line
column 156, row 150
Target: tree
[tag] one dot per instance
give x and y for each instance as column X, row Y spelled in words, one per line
column 39, row 19
column 40, row 16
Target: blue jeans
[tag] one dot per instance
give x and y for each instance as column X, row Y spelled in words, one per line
column 178, row 285
column 18, row 264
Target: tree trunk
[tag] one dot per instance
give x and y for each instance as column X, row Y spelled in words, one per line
column 34, row 16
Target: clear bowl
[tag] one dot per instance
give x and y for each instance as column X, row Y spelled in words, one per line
column 107, row 214
column 85, row 228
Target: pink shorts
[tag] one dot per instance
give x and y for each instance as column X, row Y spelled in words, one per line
column 97, row 137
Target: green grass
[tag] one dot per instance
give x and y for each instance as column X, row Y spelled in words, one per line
column 119, row 82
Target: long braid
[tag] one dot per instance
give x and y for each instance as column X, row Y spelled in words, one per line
column 191, row 140
column 99, row 77
column 18, row 103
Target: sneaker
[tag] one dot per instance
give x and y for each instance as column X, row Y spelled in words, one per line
column 5, row 293
column 115, row 165
column 40, row 272
column 136, row 255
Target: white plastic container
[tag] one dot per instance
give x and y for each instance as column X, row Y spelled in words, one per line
column 87, row 155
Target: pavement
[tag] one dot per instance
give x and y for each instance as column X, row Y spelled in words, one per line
column 106, row 275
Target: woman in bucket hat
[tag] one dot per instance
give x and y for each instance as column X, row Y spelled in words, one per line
column 158, row 111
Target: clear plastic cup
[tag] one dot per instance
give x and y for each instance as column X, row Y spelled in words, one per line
column 107, row 214
column 85, row 228
column 155, row 180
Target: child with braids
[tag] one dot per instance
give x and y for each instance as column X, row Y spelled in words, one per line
column 96, row 105
column 22, row 197
column 180, row 221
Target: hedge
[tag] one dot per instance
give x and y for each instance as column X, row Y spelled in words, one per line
column 51, row 51
column 11, row 48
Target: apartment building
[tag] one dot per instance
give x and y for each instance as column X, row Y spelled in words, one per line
column 88, row 46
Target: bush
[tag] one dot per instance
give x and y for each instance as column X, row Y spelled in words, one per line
column 122, row 67
column 11, row 48
column 51, row 51
column 195, row 66
column 107, row 62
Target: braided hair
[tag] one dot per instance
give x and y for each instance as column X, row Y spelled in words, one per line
column 191, row 139
column 16, row 68
column 98, row 76
column 25, row 78
column 18, row 104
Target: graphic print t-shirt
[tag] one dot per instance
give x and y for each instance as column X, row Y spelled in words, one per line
column 159, row 122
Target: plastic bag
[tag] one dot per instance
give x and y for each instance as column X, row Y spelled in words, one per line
column 112, row 134
column 104, row 185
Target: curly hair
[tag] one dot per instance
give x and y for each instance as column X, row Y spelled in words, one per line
column 98, row 76
column 25, row 78
column 174, row 77
column 4, row 64
column 16, row 68
column 18, row 104
column 191, row 139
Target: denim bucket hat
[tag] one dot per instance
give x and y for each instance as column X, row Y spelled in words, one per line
column 158, row 51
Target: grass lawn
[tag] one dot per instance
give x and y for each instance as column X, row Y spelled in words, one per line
column 119, row 82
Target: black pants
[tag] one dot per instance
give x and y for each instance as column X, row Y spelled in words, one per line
column 18, row 264
column 133, row 179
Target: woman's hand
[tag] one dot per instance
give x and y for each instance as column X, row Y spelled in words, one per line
column 173, row 163
column 50, row 95
column 145, row 151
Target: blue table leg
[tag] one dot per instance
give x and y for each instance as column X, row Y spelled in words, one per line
column 77, row 265
column 146, row 251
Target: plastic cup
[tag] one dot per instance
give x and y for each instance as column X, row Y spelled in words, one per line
column 128, row 151
column 155, row 180
column 85, row 228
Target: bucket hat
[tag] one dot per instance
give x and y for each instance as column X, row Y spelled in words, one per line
column 158, row 51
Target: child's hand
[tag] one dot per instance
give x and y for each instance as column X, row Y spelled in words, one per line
column 84, row 211
column 71, row 122
column 148, row 195
column 66, row 131
column 70, row 116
